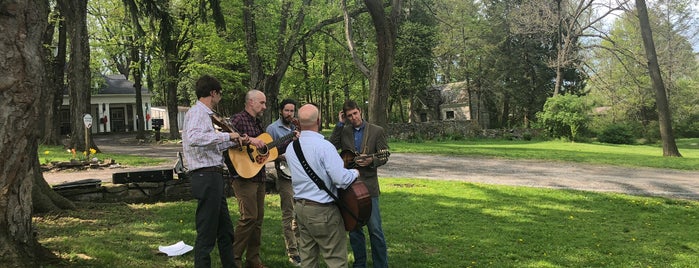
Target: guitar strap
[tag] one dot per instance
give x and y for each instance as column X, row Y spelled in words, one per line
column 318, row 181
column 365, row 137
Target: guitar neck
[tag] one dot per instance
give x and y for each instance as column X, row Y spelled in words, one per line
column 276, row 142
column 365, row 156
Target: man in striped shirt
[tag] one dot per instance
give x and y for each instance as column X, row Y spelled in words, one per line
column 203, row 146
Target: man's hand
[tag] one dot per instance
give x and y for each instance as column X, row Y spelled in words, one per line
column 257, row 142
column 341, row 117
column 363, row 160
column 296, row 134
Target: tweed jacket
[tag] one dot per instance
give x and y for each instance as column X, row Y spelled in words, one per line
column 374, row 141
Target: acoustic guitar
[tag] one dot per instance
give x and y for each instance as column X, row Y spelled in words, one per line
column 350, row 157
column 248, row 160
column 357, row 205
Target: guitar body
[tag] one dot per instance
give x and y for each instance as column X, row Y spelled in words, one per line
column 248, row 160
column 358, row 201
column 348, row 158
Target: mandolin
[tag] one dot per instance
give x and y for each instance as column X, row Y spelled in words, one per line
column 350, row 157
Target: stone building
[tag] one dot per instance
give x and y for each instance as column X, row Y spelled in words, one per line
column 449, row 102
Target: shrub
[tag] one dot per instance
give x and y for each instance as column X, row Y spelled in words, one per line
column 616, row 134
column 564, row 116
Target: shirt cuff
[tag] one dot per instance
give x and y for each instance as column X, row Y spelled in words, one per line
column 340, row 124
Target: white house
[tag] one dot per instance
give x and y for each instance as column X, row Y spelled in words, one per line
column 113, row 108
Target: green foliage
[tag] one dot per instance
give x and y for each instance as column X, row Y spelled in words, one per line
column 616, row 134
column 687, row 129
column 564, row 116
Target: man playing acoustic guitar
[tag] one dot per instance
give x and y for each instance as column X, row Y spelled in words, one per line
column 250, row 192
column 354, row 134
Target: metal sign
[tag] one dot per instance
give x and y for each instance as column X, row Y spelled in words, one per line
column 87, row 119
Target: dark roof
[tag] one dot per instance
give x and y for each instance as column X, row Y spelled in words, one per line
column 118, row 84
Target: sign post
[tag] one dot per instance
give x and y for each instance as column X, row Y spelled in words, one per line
column 87, row 119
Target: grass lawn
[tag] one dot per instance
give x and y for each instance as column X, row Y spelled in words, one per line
column 435, row 223
column 51, row 153
column 427, row 224
column 593, row 153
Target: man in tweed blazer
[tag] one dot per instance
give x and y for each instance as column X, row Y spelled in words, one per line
column 354, row 134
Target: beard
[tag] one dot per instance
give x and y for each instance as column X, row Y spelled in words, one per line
column 286, row 120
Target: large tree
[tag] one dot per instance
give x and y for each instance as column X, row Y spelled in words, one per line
column 21, row 85
column 55, row 73
column 664, row 115
column 79, row 76
column 379, row 74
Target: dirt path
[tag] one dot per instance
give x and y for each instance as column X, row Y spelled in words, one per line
column 531, row 173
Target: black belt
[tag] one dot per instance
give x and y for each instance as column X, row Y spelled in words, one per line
column 307, row 202
column 209, row 169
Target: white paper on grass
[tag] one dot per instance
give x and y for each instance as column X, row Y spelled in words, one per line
column 176, row 249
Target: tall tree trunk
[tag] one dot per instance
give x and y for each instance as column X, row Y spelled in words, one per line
column 664, row 115
column 138, row 78
column 75, row 12
column 386, row 28
column 55, row 69
column 21, row 84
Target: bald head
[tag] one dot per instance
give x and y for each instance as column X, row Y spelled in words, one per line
column 309, row 117
column 255, row 103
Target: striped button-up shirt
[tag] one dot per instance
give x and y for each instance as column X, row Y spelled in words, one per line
column 202, row 145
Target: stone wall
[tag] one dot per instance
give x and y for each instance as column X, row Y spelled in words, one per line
column 135, row 192
column 177, row 189
column 431, row 130
column 454, row 129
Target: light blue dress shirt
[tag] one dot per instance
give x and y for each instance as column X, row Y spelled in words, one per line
column 323, row 158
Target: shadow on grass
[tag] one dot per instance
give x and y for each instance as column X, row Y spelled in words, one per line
column 426, row 223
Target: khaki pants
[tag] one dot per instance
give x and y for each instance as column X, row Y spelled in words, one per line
column 322, row 231
column 248, row 231
column 289, row 226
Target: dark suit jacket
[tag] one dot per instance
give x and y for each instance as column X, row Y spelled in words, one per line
column 374, row 141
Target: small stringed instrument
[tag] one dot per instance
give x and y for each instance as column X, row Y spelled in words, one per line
column 350, row 157
column 226, row 127
column 248, row 160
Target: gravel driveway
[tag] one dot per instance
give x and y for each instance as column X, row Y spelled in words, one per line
column 531, row 173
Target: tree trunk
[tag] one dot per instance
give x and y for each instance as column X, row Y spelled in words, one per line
column 75, row 12
column 55, row 69
column 137, row 77
column 386, row 28
column 664, row 115
column 21, row 84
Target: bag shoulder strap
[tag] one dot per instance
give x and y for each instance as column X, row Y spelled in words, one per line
column 318, row 181
column 306, row 167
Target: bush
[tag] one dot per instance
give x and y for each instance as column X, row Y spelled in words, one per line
column 616, row 134
column 564, row 116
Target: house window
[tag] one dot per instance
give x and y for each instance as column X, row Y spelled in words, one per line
column 423, row 117
column 450, row 115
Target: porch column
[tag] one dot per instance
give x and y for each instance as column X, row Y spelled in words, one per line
column 109, row 118
column 147, row 116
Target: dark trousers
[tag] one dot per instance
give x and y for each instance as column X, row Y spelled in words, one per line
column 213, row 221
